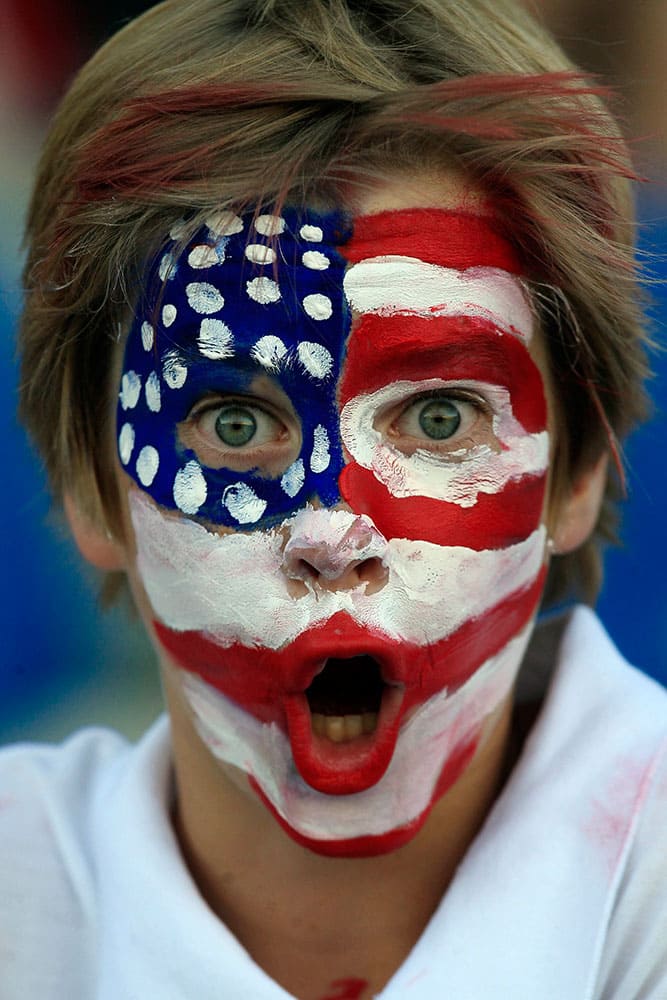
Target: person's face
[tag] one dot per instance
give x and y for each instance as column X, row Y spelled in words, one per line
column 334, row 432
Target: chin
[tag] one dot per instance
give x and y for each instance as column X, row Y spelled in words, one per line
column 374, row 845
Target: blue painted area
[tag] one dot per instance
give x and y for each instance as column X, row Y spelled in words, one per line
column 633, row 603
column 206, row 331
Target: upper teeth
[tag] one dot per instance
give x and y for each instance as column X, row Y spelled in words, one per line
column 341, row 728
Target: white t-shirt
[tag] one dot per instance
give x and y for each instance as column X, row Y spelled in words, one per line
column 562, row 896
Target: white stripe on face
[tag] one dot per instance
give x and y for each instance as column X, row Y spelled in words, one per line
column 234, row 586
column 431, row 474
column 425, row 743
column 391, row 285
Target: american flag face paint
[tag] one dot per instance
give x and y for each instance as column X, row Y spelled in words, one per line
column 388, row 555
column 220, row 324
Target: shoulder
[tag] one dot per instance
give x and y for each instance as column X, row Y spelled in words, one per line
column 634, row 958
column 48, row 868
column 628, row 816
column 46, row 789
column 610, row 720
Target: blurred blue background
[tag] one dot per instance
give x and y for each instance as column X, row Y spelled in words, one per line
column 62, row 661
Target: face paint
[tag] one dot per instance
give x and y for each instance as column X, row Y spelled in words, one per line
column 223, row 322
column 345, row 659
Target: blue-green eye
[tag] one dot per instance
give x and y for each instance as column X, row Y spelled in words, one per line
column 236, row 426
column 439, row 419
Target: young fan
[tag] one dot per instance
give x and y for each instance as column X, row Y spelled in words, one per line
column 331, row 329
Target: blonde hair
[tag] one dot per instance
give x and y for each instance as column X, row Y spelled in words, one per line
column 206, row 104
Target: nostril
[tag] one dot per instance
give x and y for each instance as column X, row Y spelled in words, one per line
column 374, row 573
column 371, row 569
column 301, row 569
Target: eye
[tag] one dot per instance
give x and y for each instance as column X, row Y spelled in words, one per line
column 242, row 433
column 240, row 425
column 439, row 419
column 435, row 419
column 236, row 426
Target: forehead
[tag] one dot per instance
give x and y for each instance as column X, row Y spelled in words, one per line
column 303, row 298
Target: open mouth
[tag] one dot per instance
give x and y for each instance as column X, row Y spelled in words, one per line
column 343, row 727
column 345, row 698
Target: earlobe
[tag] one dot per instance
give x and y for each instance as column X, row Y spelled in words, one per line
column 578, row 511
column 94, row 543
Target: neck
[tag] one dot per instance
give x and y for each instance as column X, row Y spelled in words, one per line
column 304, row 917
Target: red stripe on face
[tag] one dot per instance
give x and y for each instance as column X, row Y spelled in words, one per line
column 373, row 845
column 386, row 349
column 495, row 521
column 262, row 681
column 450, row 239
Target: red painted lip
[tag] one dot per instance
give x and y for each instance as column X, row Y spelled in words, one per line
column 344, row 768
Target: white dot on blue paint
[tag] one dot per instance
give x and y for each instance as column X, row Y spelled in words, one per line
column 174, row 370
column 169, row 314
column 147, row 336
column 263, row 290
column 313, row 234
column 206, row 256
column 204, row 297
column 269, row 225
column 315, row 358
column 258, row 253
column 167, row 268
column 315, row 260
column 320, row 457
column 190, row 490
column 215, row 340
column 293, row 478
column 126, row 443
column 318, row 306
column 130, row 387
column 268, row 351
column 243, row 503
column 152, row 391
column 224, row 223
column 148, row 463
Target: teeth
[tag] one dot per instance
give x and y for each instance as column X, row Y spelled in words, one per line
column 342, row 728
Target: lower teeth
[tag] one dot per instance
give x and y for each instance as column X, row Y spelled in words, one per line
column 343, row 728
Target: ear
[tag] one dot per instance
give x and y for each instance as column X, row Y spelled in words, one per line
column 94, row 543
column 578, row 510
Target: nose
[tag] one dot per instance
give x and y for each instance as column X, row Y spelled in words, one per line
column 337, row 550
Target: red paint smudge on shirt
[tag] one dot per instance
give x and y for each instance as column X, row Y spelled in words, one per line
column 612, row 813
column 347, row 989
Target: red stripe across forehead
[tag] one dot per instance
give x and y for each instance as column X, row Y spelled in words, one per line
column 450, row 239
